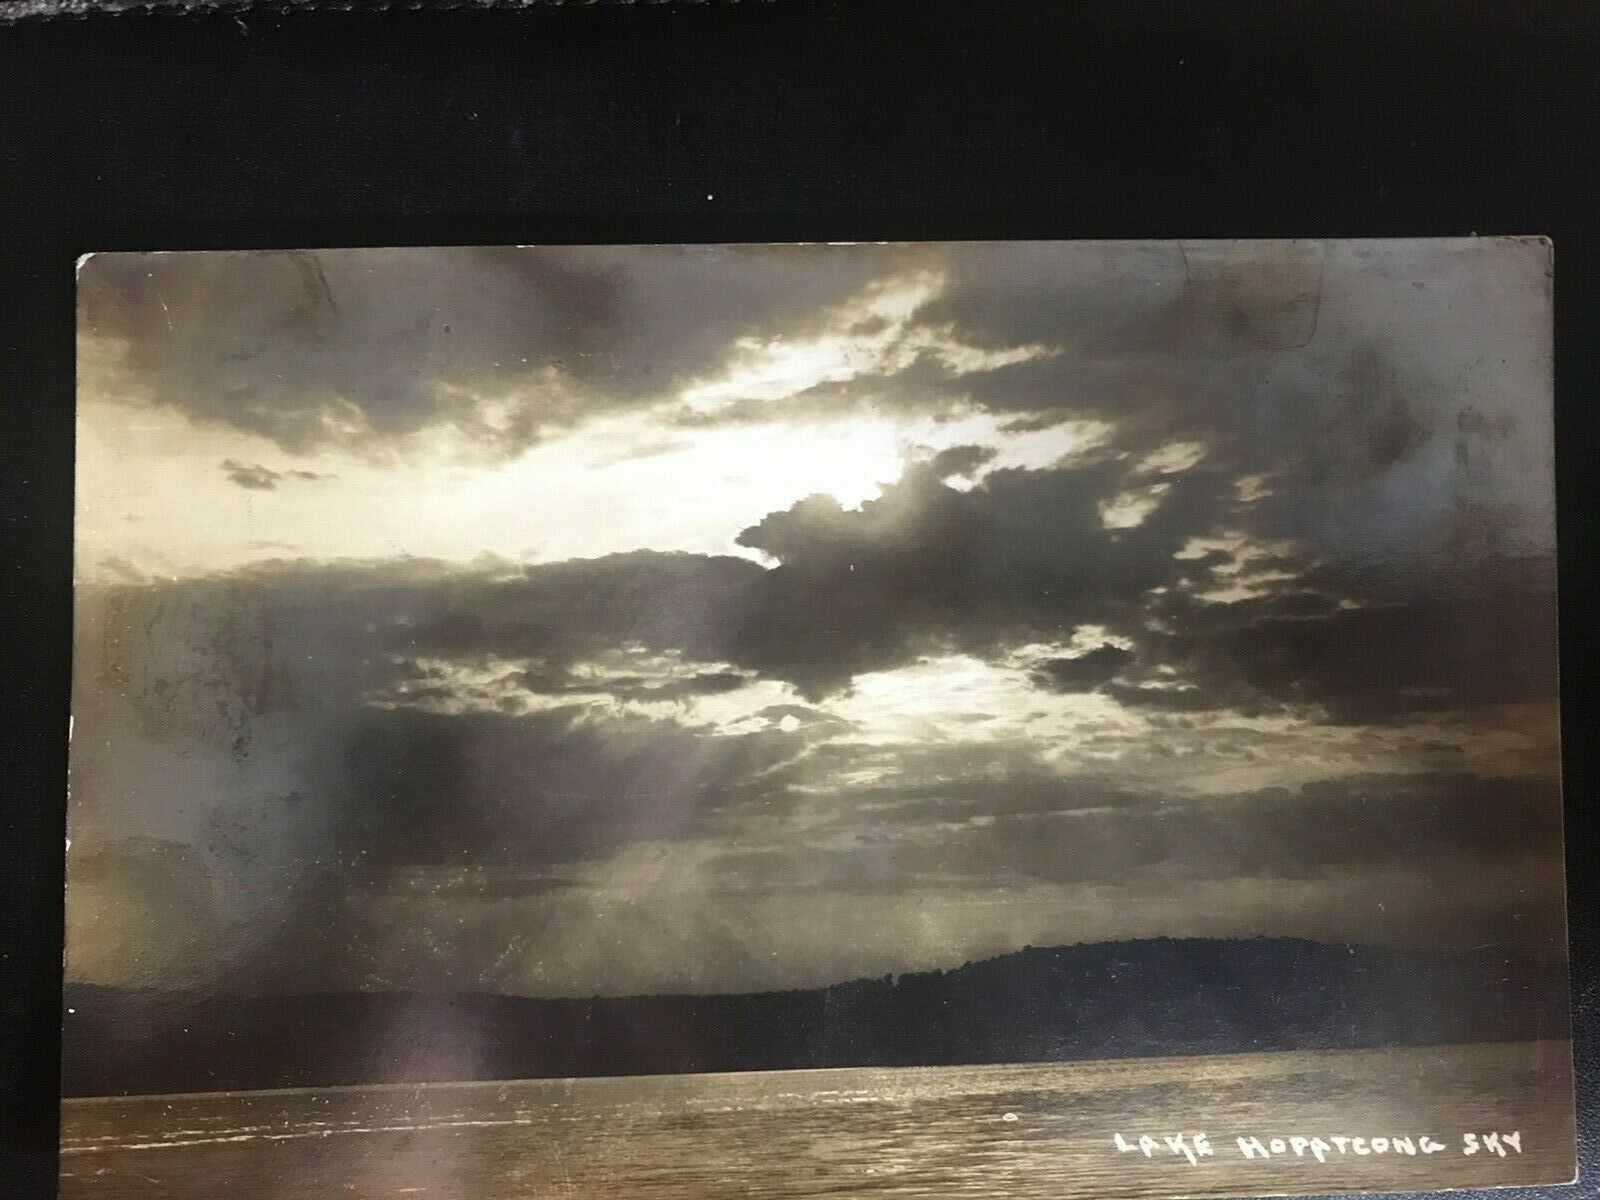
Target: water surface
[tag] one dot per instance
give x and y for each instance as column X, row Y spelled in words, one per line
column 1035, row 1130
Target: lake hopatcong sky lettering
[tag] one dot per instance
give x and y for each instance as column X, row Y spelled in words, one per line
column 597, row 622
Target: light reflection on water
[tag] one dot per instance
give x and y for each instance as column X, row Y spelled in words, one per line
column 920, row 1131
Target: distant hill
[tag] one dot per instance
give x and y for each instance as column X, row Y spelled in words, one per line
column 1111, row 1000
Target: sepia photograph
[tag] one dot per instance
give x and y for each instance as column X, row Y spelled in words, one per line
column 1006, row 719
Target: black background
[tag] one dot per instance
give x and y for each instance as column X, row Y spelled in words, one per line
column 761, row 121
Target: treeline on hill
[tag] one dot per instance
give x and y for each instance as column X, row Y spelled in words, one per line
column 1113, row 1000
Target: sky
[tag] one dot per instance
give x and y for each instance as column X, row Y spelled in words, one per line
column 605, row 620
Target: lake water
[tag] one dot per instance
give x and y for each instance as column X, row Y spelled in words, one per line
column 1038, row 1130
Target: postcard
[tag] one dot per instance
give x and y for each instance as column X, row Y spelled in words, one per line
column 1008, row 719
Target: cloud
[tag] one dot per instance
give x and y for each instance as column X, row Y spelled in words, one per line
column 1297, row 529
column 1022, row 556
column 649, row 449
column 255, row 477
column 1361, row 664
column 996, row 832
column 1349, row 389
column 927, row 567
column 499, row 347
column 543, row 788
column 1367, row 400
column 244, row 691
column 1082, row 672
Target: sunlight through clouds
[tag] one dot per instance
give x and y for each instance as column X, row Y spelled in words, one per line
column 868, row 335
column 1032, row 590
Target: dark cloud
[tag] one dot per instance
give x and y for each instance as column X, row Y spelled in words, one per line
column 1083, row 672
column 567, row 612
column 359, row 347
column 339, row 347
column 1355, row 665
column 304, row 651
column 263, row 479
column 255, row 478
column 809, row 719
column 1023, row 556
column 1091, row 831
column 958, row 462
column 545, row 788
